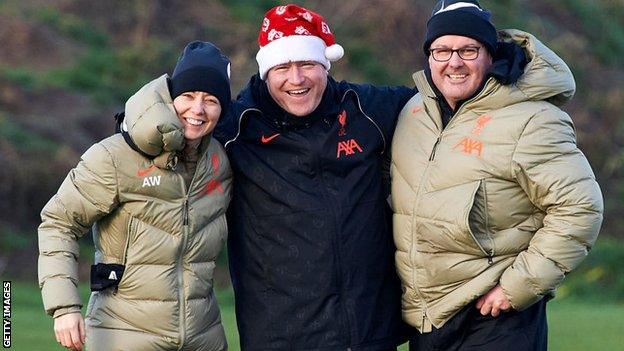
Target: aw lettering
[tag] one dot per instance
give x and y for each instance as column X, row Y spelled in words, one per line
column 349, row 147
column 151, row 181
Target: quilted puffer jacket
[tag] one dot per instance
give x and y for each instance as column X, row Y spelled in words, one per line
column 165, row 232
column 501, row 195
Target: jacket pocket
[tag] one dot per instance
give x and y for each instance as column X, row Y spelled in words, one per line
column 443, row 220
column 479, row 219
column 469, row 222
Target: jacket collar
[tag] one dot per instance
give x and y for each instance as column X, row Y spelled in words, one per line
column 257, row 95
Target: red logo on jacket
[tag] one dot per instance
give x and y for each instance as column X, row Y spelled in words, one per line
column 214, row 184
column 349, row 147
column 342, row 119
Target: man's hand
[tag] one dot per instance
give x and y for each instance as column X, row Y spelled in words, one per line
column 69, row 330
column 494, row 301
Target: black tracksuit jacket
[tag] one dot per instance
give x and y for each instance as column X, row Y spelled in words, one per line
column 310, row 243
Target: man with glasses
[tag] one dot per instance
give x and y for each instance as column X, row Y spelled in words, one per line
column 493, row 202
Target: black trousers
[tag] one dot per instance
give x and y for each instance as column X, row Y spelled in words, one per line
column 470, row 331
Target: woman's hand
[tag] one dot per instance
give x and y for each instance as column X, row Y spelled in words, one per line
column 69, row 330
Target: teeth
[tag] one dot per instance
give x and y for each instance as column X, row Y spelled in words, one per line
column 298, row 92
column 195, row 122
column 457, row 76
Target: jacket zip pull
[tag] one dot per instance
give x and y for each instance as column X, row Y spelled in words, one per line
column 185, row 215
column 489, row 257
column 435, row 146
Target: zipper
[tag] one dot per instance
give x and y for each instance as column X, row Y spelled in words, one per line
column 490, row 255
column 414, row 251
column 130, row 234
column 435, row 146
column 131, row 229
column 466, row 219
column 329, row 203
column 240, row 121
column 185, row 212
column 180, row 270
column 180, row 263
column 383, row 138
column 185, row 232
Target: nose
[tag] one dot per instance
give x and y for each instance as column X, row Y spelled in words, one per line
column 197, row 106
column 455, row 60
column 295, row 75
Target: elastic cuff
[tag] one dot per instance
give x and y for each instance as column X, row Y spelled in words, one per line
column 518, row 290
column 65, row 310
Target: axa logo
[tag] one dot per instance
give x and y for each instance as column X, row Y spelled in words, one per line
column 151, row 181
column 470, row 146
column 348, row 147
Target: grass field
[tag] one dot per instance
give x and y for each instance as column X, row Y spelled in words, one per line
column 572, row 325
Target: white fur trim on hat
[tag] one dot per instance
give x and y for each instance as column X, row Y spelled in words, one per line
column 334, row 52
column 291, row 48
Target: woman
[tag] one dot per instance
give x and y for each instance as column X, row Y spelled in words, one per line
column 156, row 195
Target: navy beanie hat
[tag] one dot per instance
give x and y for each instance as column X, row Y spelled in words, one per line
column 465, row 18
column 202, row 67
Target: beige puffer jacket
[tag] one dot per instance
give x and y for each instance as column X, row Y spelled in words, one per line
column 167, row 233
column 502, row 194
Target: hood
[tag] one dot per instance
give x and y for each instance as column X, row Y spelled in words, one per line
column 151, row 120
column 546, row 77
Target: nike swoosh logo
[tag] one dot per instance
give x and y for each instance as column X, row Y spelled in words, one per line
column 145, row 171
column 265, row 139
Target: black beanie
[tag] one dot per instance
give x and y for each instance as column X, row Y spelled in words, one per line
column 465, row 18
column 202, row 67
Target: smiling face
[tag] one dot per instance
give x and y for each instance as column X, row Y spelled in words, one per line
column 458, row 79
column 297, row 86
column 198, row 111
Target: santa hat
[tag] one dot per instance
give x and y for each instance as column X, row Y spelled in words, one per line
column 292, row 33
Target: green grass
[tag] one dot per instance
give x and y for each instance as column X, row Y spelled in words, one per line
column 573, row 325
column 33, row 330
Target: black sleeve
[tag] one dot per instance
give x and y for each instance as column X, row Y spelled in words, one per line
column 384, row 104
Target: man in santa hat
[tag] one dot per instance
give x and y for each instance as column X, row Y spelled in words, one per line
column 310, row 243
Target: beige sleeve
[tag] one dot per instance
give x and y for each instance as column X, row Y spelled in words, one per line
column 88, row 192
column 559, row 181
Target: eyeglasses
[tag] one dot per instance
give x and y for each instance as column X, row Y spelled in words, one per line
column 467, row 53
